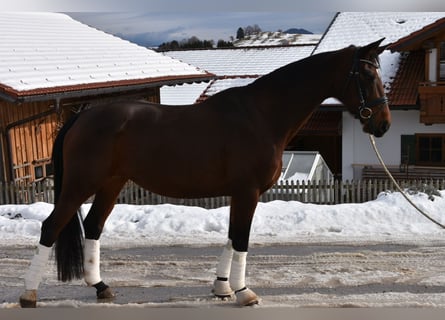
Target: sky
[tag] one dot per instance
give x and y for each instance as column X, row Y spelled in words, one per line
column 153, row 29
column 156, row 21
column 221, row 6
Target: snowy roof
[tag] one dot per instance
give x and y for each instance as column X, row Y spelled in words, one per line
column 192, row 93
column 235, row 67
column 361, row 28
column 412, row 40
column 242, row 61
column 223, row 84
column 185, row 94
column 50, row 52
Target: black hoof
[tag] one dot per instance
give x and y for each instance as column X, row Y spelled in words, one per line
column 106, row 294
column 103, row 291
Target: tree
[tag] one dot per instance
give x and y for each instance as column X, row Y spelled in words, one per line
column 167, row 46
column 240, row 33
column 256, row 28
column 191, row 43
column 224, row 44
column 250, row 30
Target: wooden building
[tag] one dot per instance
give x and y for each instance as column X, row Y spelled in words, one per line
column 52, row 66
column 428, row 44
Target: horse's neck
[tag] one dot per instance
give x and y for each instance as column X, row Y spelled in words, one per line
column 288, row 96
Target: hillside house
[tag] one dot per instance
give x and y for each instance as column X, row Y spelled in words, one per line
column 52, row 66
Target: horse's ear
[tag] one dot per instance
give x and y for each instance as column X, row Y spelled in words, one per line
column 375, row 46
column 382, row 48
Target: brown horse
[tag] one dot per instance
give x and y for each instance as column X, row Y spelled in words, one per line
column 229, row 145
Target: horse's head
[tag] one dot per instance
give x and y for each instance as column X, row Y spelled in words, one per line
column 363, row 93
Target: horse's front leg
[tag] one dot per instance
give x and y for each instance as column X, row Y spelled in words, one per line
column 221, row 286
column 93, row 225
column 92, row 269
column 231, row 270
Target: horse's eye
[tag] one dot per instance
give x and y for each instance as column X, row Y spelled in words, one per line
column 369, row 76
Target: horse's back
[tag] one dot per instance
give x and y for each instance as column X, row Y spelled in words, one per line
column 178, row 151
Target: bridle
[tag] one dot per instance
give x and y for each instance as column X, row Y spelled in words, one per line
column 365, row 109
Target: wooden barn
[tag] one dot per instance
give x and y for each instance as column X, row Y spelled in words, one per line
column 52, row 66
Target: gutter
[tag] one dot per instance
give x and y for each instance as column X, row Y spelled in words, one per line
column 78, row 91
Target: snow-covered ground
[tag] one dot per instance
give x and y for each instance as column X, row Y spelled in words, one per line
column 389, row 217
column 377, row 254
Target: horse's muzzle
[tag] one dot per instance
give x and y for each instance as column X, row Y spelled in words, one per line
column 381, row 129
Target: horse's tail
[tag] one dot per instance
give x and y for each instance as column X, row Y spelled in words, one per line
column 69, row 244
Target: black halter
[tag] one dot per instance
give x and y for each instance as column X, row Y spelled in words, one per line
column 365, row 109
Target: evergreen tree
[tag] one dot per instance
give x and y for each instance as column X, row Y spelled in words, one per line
column 240, row 33
column 224, row 44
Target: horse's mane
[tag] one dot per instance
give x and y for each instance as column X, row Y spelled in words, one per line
column 296, row 71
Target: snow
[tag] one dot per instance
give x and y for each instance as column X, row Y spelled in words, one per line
column 389, row 64
column 277, row 39
column 185, row 94
column 388, row 218
column 242, row 61
column 46, row 50
column 361, row 28
column 223, row 84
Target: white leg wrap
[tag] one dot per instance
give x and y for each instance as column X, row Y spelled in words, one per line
column 91, row 266
column 238, row 272
column 225, row 261
column 37, row 267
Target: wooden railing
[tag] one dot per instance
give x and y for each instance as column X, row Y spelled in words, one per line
column 321, row 192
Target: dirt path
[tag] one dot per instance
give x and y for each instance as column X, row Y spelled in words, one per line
column 285, row 275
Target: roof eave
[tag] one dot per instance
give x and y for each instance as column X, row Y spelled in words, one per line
column 76, row 91
column 408, row 42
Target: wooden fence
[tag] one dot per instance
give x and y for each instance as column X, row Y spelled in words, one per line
column 322, row 192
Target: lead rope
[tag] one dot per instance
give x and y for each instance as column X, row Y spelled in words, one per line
column 371, row 138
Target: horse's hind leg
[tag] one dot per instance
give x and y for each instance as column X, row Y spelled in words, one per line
column 93, row 225
column 63, row 212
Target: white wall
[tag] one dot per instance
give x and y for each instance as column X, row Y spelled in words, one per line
column 357, row 149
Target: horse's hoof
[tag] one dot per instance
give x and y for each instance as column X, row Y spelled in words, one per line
column 28, row 299
column 221, row 289
column 246, row 297
column 106, row 294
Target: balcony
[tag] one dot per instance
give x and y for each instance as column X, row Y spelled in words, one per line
column 432, row 102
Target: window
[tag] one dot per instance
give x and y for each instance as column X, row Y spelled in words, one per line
column 408, row 150
column 38, row 172
column 423, row 150
column 49, row 169
column 430, row 149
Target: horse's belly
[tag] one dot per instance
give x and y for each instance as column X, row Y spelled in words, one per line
column 170, row 176
column 182, row 186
